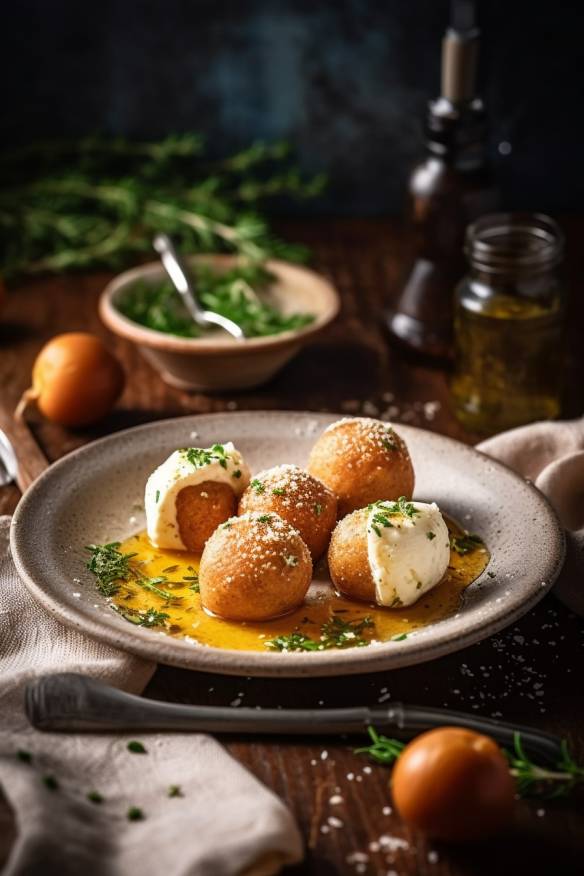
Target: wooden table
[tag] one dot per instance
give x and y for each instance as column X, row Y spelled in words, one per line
column 531, row 673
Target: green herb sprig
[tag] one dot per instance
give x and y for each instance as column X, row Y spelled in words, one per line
column 114, row 569
column 334, row 633
column 98, row 201
column 532, row 780
column 465, row 544
column 383, row 510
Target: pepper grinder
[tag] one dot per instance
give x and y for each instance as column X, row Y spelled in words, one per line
column 448, row 189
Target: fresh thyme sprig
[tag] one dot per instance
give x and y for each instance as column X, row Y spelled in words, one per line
column 532, row 780
column 98, row 201
column 198, row 456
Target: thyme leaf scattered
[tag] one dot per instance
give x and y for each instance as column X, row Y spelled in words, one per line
column 465, row 544
column 334, row 633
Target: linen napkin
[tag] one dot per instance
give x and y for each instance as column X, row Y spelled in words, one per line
column 552, row 456
column 220, row 820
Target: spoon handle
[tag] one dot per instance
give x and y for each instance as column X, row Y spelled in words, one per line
column 75, row 703
column 175, row 270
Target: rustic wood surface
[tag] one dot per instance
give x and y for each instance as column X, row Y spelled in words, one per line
column 529, row 674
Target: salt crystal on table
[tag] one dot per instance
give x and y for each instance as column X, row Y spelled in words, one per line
column 433, row 857
column 335, row 800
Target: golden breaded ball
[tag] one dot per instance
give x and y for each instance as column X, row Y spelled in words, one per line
column 199, row 511
column 254, row 567
column 362, row 461
column 300, row 499
column 348, row 557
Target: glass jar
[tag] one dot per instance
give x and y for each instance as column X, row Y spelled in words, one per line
column 508, row 323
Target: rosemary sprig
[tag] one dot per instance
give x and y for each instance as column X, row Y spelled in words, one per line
column 382, row 749
column 532, row 780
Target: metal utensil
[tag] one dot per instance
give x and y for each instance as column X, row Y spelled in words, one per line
column 8, row 461
column 74, row 703
column 180, row 279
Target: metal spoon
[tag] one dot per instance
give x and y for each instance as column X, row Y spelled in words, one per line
column 180, row 279
column 68, row 702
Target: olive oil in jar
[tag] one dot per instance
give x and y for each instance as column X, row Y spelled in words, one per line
column 508, row 324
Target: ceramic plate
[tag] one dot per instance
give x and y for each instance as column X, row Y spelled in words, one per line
column 91, row 496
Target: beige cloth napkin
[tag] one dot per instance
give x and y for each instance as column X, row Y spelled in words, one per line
column 552, row 456
column 225, row 823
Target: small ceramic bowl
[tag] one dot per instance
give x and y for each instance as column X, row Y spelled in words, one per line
column 217, row 361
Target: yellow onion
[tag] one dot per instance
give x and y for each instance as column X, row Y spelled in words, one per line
column 75, row 380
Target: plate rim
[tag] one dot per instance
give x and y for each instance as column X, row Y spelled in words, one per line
column 176, row 652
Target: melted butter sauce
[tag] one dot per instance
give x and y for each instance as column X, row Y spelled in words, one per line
column 187, row 617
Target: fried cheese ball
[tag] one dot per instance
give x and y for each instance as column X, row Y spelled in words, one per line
column 200, row 510
column 254, row 568
column 297, row 497
column 390, row 553
column 348, row 558
column 191, row 493
column 362, row 460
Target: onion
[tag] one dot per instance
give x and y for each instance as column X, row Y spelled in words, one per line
column 75, row 380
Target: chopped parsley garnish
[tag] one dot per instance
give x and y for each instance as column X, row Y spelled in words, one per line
column 157, row 496
column 135, row 814
column 95, row 797
column 114, row 569
column 491, row 574
column 193, row 578
column 136, row 747
column 279, row 491
column 24, row 756
column 291, row 560
column 50, row 782
column 264, row 518
column 199, row 457
column 465, row 544
column 241, row 294
column 430, row 535
column 236, row 473
column 258, row 486
column 110, row 566
column 169, row 569
column 389, row 441
column 175, row 791
column 399, row 637
column 335, row 633
column 318, row 509
column 385, row 510
column 146, row 617
column 292, row 642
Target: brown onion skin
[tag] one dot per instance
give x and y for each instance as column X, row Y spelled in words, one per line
column 76, row 380
column 453, row 784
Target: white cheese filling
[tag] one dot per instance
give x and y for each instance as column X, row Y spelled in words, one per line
column 408, row 553
column 221, row 463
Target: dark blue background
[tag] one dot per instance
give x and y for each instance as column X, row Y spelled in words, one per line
column 345, row 82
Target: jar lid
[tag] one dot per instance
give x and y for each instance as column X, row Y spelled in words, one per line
column 524, row 242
